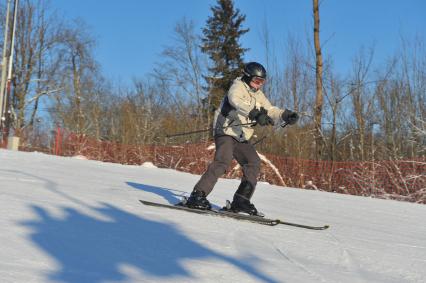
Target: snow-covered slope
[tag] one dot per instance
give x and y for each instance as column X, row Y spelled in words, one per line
column 73, row 220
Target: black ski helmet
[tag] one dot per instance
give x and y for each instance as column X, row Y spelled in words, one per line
column 254, row 69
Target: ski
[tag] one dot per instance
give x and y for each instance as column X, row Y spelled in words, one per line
column 251, row 218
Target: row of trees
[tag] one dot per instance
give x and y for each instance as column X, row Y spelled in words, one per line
column 372, row 113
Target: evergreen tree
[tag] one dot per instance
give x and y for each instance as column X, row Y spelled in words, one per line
column 220, row 43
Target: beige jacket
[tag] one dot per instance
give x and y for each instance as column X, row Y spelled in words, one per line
column 235, row 108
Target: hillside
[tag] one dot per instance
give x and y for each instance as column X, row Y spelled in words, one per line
column 74, row 220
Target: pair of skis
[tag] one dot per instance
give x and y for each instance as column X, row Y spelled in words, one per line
column 238, row 216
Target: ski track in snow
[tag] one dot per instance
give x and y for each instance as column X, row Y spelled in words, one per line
column 348, row 259
column 300, row 266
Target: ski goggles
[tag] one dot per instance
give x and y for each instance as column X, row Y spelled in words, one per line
column 258, row 80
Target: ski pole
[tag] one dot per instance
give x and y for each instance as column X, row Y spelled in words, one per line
column 205, row 130
column 187, row 133
column 282, row 125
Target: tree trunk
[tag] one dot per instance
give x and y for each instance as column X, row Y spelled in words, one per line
column 319, row 86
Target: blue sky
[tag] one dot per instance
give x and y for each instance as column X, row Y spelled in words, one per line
column 131, row 34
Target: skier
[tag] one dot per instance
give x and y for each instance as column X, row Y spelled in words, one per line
column 244, row 103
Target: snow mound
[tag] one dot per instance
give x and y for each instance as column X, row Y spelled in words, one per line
column 80, row 157
column 148, row 165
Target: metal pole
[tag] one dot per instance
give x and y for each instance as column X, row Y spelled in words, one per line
column 11, row 53
column 12, row 142
column 12, row 44
column 4, row 66
column 12, row 49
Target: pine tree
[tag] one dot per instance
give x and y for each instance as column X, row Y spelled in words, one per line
column 220, row 43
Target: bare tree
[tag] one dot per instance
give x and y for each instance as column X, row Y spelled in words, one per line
column 413, row 64
column 334, row 98
column 362, row 100
column 34, row 65
column 78, row 76
column 182, row 71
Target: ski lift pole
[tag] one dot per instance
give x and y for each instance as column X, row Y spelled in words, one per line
column 4, row 65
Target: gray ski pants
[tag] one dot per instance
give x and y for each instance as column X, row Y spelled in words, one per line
column 228, row 148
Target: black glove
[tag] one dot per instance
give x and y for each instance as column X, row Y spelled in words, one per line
column 289, row 117
column 261, row 116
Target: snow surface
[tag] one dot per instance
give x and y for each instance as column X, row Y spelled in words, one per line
column 71, row 220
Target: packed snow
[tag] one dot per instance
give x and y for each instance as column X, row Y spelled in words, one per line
column 75, row 220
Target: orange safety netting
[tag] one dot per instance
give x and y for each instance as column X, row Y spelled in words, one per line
column 401, row 179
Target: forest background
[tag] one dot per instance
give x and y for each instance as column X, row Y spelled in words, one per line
column 374, row 111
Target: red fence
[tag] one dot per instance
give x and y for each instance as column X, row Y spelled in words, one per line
column 402, row 180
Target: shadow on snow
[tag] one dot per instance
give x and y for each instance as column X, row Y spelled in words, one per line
column 170, row 195
column 93, row 250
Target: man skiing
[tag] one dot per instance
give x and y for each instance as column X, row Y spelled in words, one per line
column 245, row 103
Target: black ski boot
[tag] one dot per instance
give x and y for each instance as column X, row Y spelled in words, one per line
column 198, row 200
column 240, row 204
column 241, row 201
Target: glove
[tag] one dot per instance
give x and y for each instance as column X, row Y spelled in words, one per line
column 261, row 116
column 289, row 117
